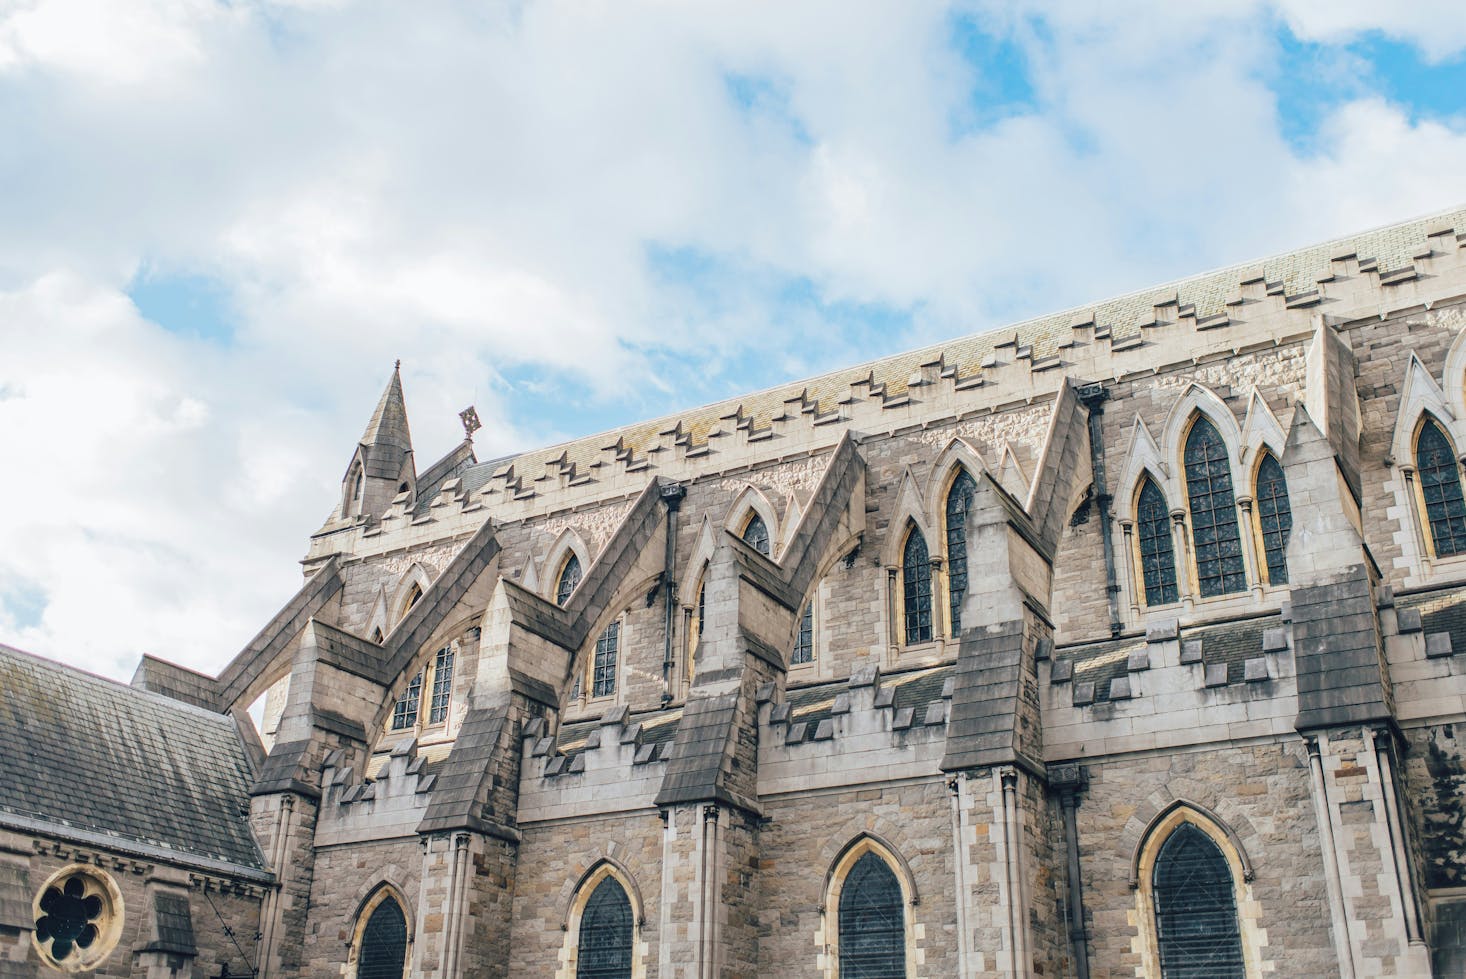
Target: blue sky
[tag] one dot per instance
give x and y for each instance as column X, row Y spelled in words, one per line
column 221, row 223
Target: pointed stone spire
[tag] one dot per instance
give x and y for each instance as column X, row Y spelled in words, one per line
column 382, row 466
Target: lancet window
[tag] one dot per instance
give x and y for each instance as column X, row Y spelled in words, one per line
column 872, row 922
column 1440, row 489
column 570, row 574
column 756, row 535
column 606, row 933
column 603, row 666
column 1157, row 550
column 383, row 951
column 916, row 588
column 1274, row 518
column 1195, row 903
column 1214, row 532
column 959, row 498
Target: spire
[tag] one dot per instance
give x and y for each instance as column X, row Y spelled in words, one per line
column 388, row 426
column 382, row 466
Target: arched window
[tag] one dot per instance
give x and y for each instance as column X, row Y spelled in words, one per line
column 694, row 626
column 603, row 666
column 1214, row 533
column 377, row 636
column 413, row 596
column 569, row 579
column 442, row 694
column 1194, row 896
column 804, row 638
column 1274, row 518
column 1157, row 551
column 756, row 534
column 356, row 487
column 605, row 940
column 1440, row 489
column 872, row 922
column 916, row 588
column 383, row 950
column 404, row 713
column 959, row 498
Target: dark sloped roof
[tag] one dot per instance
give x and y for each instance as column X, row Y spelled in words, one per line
column 81, row 752
column 1441, row 612
column 914, row 688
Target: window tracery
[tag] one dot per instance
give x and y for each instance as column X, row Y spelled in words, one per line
column 804, row 639
column 603, row 665
column 382, row 951
column 872, row 921
column 442, row 693
column 1215, row 536
column 1194, row 897
column 916, row 588
column 404, row 712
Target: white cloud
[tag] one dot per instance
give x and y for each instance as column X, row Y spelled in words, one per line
column 475, row 190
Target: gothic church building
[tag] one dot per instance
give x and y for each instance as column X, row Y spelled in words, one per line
column 1120, row 642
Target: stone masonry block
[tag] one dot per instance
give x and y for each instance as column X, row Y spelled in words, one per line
column 1162, row 631
column 1063, row 671
column 1255, row 669
column 1084, row 693
column 1274, row 640
column 1438, row 644
column 1120, row 688
column 1191, row 651
column 1138, row 660
column 1216, row 674
column 824, row 731
column 1408, row 620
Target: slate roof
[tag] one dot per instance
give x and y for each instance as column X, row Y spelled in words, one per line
column 106, row 760
column 914, row 688
column 1441, row 612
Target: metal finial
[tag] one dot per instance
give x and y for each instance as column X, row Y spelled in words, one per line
column 397, row 366
column 471, row 424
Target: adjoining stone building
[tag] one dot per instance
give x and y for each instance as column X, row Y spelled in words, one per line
column 1121, row 642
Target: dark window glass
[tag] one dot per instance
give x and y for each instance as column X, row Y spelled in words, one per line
column 1214, row 531
column 1157, row 552
column 1440, row 484
column 383, row 943
column 605, row 934
column 872, row 922
column 1274, row 518
column 1196, row 909
column 804, row 640
column 603, row 671
column 442, row 686
column 958, row 499
column 404, row 714
column 68, row 917
column 569, row 578
column 756, row 535
column 916, row 581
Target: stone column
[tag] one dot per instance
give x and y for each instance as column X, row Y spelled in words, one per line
column 16, row 922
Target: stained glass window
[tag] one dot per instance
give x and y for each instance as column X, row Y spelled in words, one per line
column 959, row 498
column 1214, row 531
column 603, row 670
column 442, row 686
column 604, row 951
column 69, row 917
column 569, row 578
column 756, row 535
column 1195, row 909
column 383, row 943
column 1440, row 485
column 1157, row 551
column 804, row 639
column 872, row 922
column 404, row 714
column 916, row 590
column 1274, row 518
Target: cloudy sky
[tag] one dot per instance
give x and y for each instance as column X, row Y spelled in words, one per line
column 220, row 223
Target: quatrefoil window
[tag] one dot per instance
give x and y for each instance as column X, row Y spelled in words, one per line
column 78, row 918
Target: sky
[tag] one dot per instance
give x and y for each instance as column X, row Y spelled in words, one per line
column 221, row 223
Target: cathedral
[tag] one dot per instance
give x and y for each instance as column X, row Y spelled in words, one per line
column 1118, row 642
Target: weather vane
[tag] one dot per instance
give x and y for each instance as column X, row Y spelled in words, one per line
column 471, row 424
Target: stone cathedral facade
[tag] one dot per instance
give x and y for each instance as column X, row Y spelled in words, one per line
column 1129, row 641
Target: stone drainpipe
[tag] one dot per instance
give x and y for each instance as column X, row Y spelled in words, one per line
column 1093, row 397
column 1069, row 781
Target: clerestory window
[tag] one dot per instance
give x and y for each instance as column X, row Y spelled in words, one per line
column 1157, row 550
column 1274, row 518
column 1214, row 533
column 442, row 694
column 570, row 575
column 1440, row 489
column 959, row 498
column 603, row 665
column 404, row 713
column 916, row 588
column 804, row 638
column 756, row 535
